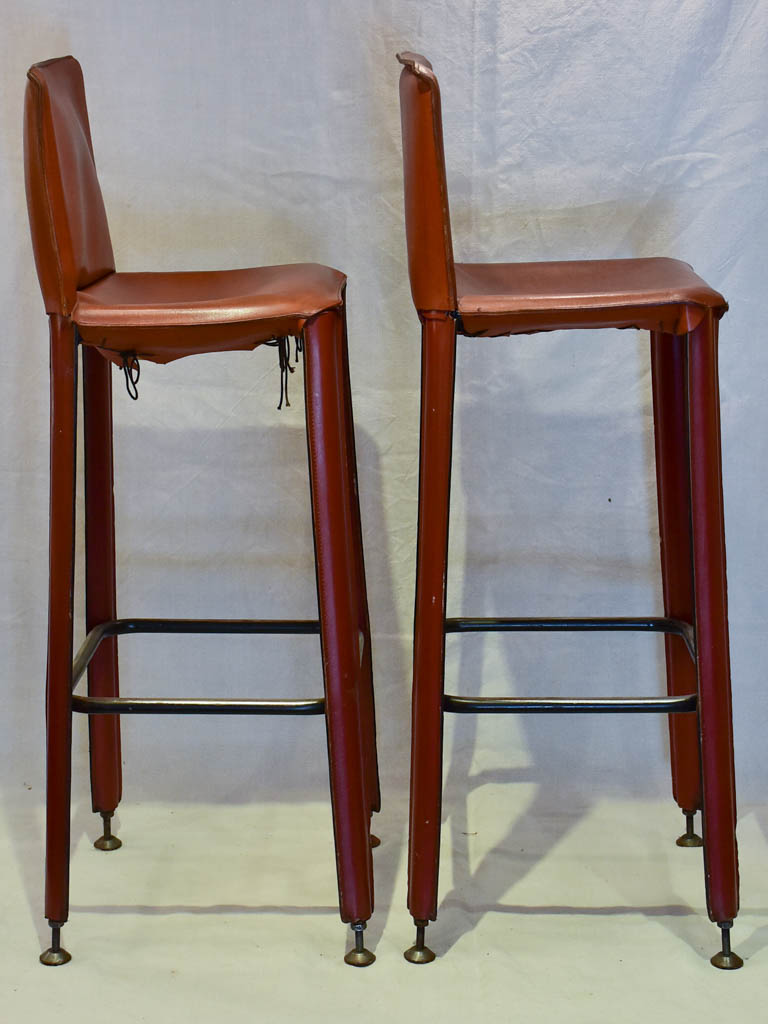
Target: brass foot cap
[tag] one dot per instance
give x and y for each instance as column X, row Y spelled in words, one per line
column 359, row 958
column 727, row 961
column 55, row 957
column 375, row 841
column 108, row 843
column 686, row 840
column 419, row 955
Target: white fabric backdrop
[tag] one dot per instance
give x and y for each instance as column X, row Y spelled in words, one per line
column 240, row 134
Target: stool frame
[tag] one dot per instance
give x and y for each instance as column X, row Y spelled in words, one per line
column 343, row 622
column 689, row 483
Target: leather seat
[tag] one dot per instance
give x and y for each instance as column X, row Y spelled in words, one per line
column 163, row 316
column 656, row 294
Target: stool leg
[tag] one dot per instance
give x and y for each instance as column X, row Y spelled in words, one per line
column 437, row 387
column 332, row 501
column 367, row 704
column 669, row 379
column 100, row 586
column 714, row 684
column 60, row 616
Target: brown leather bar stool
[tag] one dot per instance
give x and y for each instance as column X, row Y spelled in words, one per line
column 122, row 318
column 681, row 312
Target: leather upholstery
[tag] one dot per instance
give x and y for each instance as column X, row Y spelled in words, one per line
column 520, row 298
column 168, row 315
column 70, row 236
column 427, row 217
column 157, row 316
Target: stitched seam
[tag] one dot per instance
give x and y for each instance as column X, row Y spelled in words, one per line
column 586, row 309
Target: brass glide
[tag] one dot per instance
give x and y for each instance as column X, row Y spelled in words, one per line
column 419, row 953
column 359, row 956
column 689, row 837
column 107, row 841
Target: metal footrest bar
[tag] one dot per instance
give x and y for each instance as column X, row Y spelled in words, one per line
column 569, row 705
column 639, row 625
column 119, row 627
column 194, row 706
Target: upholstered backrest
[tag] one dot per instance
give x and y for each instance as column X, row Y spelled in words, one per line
column 69, row 228
column 427, row 218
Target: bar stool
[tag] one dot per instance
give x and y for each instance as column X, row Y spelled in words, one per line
column 681, row 312
column 126, row 317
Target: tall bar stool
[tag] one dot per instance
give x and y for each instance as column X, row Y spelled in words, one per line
column 122, row 318
column 681, row 312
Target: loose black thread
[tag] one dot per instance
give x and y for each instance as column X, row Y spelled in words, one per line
column 283, row 346
column 131, row 372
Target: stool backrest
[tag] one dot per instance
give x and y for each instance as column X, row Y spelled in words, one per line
column 427, row 217
column 70, row 235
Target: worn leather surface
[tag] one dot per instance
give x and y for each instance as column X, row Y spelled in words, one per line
column 70, row 236
column 101, row 576
column 669, row 368
column 164, row 316
column 61, row 583
column 655, row 294
column 427, row 218
column 438, row 371
column 343, row 608
column 710, row 585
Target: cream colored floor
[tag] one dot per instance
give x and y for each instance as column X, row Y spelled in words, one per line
column 579, row 914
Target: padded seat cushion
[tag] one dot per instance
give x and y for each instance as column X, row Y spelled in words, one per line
column 164, row 316
column 522, row 298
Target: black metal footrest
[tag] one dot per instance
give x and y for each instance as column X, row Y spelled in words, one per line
column 569, row 705
column 190, row 706
column 572, row 705
column 194, row 706
column 676, row 627
column 119, row 627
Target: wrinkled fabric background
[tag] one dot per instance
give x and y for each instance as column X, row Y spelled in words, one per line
column 237, row 134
